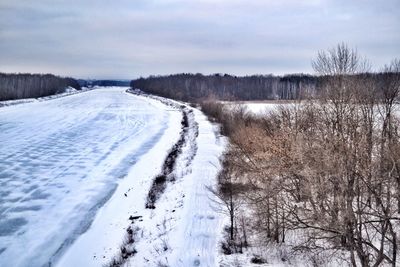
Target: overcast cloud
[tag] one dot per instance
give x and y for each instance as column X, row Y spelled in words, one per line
column 128, row 39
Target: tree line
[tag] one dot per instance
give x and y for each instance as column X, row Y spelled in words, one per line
column 189, row 87
column 26, row 85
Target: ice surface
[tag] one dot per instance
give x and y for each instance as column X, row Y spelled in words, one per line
column 62, row 159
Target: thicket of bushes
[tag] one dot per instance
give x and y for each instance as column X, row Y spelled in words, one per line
column 17, row 86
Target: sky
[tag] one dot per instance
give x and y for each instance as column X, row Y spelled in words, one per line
column 122, row 39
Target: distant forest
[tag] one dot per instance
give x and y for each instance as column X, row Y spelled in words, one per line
column 17, row 86
column 190, row 87
column 91, row 83
column 194, row 87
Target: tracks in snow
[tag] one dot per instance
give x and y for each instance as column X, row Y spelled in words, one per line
column 175, row 166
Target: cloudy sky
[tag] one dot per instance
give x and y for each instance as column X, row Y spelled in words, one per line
column 128, row 39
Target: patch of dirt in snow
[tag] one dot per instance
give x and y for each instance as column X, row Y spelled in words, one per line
column 167, row 175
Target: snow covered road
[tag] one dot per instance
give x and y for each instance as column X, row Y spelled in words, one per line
column 62, row 159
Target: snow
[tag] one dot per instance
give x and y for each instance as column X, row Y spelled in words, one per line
column 17, row 101
column 198, row 241
column 73, row 170
column 70, row 89
column 63, row 159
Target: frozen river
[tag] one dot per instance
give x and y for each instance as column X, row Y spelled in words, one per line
column 60, row 160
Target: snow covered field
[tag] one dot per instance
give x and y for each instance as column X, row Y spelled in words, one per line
column 73, row 170
column 257, row 108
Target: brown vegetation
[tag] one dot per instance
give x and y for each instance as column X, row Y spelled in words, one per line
column 327, row 167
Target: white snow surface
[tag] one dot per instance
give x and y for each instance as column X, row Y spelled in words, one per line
column 185, row 228
column 61, row 160
column 197, row 243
